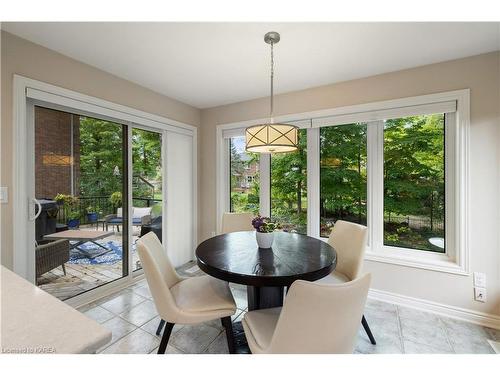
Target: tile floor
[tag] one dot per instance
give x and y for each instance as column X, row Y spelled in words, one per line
column 131, row 316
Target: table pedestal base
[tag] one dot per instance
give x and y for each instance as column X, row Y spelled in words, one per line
column 240, row 341
column 264, row 297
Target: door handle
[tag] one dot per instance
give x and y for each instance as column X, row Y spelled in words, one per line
column 32, row 217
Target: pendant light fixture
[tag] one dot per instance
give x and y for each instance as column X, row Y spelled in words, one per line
column 270, row 137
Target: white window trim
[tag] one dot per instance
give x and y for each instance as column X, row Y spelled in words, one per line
column 456, row 258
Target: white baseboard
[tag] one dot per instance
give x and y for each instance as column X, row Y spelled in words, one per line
column 471, row 316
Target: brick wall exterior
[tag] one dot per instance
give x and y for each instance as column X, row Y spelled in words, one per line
column 53, row 153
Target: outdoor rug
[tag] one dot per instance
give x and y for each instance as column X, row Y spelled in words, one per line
column 115, row 255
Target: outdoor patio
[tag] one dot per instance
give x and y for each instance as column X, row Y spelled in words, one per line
column 82, row 273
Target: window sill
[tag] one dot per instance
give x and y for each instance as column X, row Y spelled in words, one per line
column 428, row 261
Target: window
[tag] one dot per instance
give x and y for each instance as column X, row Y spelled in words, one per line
column 342, row 175
column 244, row 177
column 399, row 167
column 289, row 187
column 414, row 184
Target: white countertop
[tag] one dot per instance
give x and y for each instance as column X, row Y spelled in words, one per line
column 33, row 321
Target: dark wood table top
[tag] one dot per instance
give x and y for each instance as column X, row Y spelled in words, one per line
column 235, row 257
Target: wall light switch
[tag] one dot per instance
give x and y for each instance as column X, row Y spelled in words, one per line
column 4, row 194
column 480, row 294
column 480, row 279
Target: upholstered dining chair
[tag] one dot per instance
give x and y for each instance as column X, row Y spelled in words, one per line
column 235, row 222
column 349, row 241
column 316, row 318
column 178, row 300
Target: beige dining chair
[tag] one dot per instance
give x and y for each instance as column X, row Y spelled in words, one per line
column 316, row 318
column 179, row 300
column 349, row 241
column 236, row 222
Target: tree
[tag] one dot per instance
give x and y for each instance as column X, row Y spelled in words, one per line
column 289, row 184
column 101, row 157
column 343, row 171
column 414, row 166
column 146, row 153
column 146, row 162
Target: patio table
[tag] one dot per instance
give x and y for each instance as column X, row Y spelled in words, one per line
column 81, row 237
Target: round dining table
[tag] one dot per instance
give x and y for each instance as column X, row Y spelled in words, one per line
column 235, row 257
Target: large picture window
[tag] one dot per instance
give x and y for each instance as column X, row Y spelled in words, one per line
column 398, row 167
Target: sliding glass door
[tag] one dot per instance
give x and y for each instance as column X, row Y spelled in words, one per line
column 91, row 179
column 80, row 182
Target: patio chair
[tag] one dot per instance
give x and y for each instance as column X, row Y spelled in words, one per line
column 50, row 256
column 140, row 216
column 155, row 226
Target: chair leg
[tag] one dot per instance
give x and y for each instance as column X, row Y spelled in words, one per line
column 368, row 330
column 160, row 327
column 165, row 337
column 228, row 325
column 64, row 269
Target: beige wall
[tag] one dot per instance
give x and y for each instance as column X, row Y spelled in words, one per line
column 19, row 56
column 479, row 73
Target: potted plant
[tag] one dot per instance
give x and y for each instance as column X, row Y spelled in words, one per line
column 92, row 214
column 116, row 199
column 73, row 219
column 265, row 228
column 60, row 198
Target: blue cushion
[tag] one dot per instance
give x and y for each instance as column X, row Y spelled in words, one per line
column 119, row 220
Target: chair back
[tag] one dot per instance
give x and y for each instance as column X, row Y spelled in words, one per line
column 321, row 318
column 349, row 241
column 160, row 274
column 236, row 222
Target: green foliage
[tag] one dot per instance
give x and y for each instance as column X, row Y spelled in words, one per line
column 66, row 200
column 73, row 215
column 101, row 157
column 247, row 201
column 116, row 199
column 414, row 166
column 343, row 174
column 146, row 153
column 289, row 187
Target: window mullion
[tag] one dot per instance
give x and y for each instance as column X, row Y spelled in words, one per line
column 375, row 171
column 313, row 182
column 265, row 185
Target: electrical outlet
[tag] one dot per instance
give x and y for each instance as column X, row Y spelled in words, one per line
column 480, row 279
column 213, row 234
column 480, row 294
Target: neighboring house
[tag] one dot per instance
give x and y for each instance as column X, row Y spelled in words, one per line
column 247, row 175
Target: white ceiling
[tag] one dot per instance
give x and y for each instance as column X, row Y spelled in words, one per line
column 211, row 64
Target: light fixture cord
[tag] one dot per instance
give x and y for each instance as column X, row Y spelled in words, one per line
column 272, row 84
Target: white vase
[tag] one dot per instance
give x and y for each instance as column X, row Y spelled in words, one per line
column 264, row 240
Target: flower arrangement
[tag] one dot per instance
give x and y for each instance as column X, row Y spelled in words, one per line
column 264, row 224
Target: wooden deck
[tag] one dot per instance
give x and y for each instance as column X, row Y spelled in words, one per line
column 80, row 278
